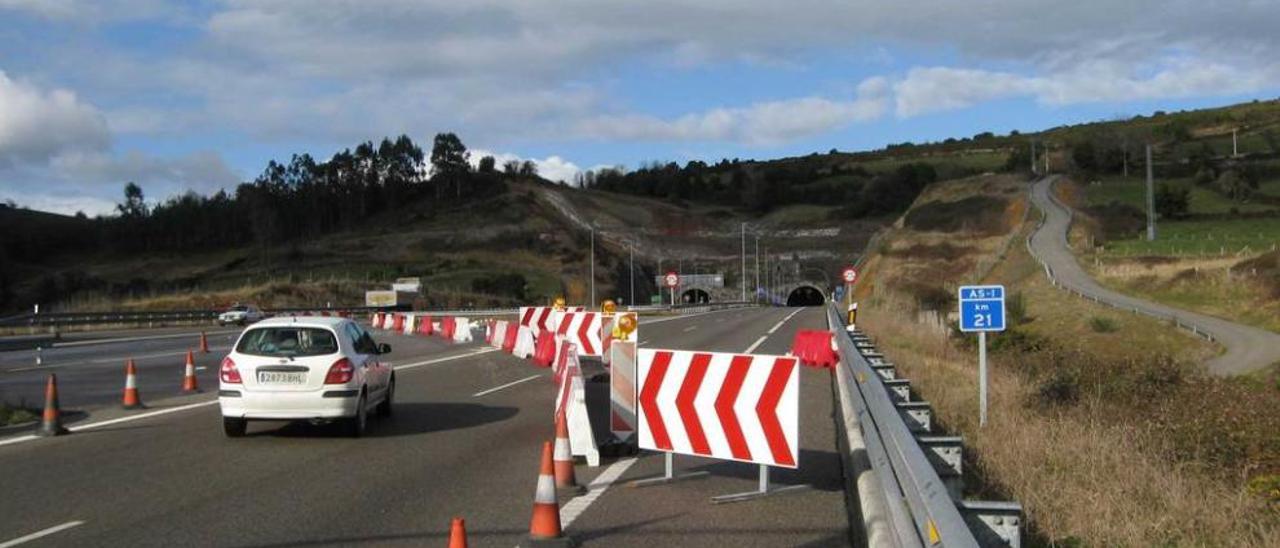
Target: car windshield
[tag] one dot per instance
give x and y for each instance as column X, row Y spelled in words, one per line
column 238, row 308
column 288, row 342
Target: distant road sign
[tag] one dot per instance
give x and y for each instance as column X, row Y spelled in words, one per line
column 672, row 279
column 981, row 308
column 849, row 275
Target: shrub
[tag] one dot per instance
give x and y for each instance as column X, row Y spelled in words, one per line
column 1016, row 306
column 1103, row 325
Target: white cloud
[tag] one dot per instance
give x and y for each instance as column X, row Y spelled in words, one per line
column 200, row 171
column 36, row 125
column 552, row 167
column 90, row 11
column 763, row 123
column 933, row 89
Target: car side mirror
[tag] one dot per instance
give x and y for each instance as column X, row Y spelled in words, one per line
column 384, row 348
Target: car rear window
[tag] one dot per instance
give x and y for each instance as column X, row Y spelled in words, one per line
column 288, row 342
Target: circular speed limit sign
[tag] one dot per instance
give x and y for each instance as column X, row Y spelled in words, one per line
column 672, row 279
column 850, row 274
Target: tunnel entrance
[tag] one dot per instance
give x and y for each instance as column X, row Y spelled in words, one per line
column 806, row 295
column 695, row 296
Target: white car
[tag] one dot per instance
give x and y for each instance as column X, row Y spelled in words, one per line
column 305, row 368
column 240, row 314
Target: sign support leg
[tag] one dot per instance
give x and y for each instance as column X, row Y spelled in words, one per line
column 762, row 491
column 669, row 475
column 982, row 378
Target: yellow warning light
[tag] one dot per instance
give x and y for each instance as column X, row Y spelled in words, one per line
column 624, row 327
column 608, row 306
column 559, row 303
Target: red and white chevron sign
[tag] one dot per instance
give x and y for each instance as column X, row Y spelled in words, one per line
column 581, row 329
column 727, row 406
column 537, row 316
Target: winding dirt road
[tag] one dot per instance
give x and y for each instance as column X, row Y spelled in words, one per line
column 1248, row 348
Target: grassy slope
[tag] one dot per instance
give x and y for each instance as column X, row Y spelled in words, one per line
column 1094, row 432
column 1203, row 264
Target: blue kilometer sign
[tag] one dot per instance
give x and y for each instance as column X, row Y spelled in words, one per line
column 981, row 308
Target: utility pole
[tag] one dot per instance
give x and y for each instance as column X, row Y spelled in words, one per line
column 1234, row 150
column 633, row 274
column 756, row 294
column 1033, row 157
column 744, row 262
column 1046, row 159
column 593, row 269
column 1151, row 200
column 1125, row 156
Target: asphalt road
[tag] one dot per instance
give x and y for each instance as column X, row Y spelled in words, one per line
column 1248, row 348
column 174, row 479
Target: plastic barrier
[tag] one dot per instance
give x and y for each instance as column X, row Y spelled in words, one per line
column 544, row 349
column 499, row 334
column 426, row 328
column 524, row 343
column 410, row 321
column 814, row 348
column 572, row 401
column 447, row 327
column 509, row 338
column 399, row 323
column 461, row 330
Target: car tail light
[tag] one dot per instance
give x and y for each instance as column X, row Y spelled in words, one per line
column 340, row 372
column 228, row 372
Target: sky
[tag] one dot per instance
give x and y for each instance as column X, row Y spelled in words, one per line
column 199, row 95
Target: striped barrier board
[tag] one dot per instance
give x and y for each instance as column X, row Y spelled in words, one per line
column 583, row 330
column 739, row 407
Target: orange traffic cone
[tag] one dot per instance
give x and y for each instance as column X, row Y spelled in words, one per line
column 189, row 383
column 565, row 478
column 51, row 421
column 544, row 528
column 458, row 533
column 131, row 399
column 204, row 343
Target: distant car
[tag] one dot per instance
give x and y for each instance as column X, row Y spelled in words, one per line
column 305, row 368
column 240, row 314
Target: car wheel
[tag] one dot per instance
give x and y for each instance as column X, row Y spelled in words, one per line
column 234, row 428
column 356, row 425
column 384, row 408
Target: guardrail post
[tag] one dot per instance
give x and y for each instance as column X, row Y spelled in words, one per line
column 994, row 523
column 947, row 455
column 918, row 416
column 899, row 388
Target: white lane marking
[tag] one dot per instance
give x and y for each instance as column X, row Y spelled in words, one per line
column 159, row 412
column 195, row 334
column 444, row 359
column 41, row 533
column 150, row 356
column 784, row 320
column 201, row 368
column 36, row 368
column 690, row 328
column 685, row 316
column 574, row 508
column 755, row 345
column 508, row 385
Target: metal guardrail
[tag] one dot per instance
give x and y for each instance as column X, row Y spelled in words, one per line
column 1194, row 328
column 55, row 319
column 920, row 510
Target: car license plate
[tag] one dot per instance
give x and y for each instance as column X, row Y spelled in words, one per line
column 280, row 377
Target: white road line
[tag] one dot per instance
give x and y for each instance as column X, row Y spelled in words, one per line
column 685, row 316
column 575, row 507
column 159, row 412
column 755, row 345
column 508, row 385
column 690, row 328
column 444, row 359
column 784, row 320
column 35, row 368
column 40, row 534
column 212, row 350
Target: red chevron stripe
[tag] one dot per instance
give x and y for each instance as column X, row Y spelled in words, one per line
column 738, row 369
column 684, row 402
column 767, row 410
column 583, row 337
column 527, row 316
column 565, row 321
column 649, row 399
